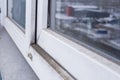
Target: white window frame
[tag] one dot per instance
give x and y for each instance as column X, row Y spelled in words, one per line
column 22, row 39
column 78, row 60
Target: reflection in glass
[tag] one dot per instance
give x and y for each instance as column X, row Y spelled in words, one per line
column 93, row 22
column 16, row 11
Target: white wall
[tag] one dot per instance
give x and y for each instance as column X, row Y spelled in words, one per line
column 0, row 8
column 3, row 11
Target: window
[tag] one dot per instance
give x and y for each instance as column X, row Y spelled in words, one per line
column 94, row 24
column 16, row 12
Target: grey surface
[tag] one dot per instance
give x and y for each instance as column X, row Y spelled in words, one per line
column 12, row 64
column 0, row 77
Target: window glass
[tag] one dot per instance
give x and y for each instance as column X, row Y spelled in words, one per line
column 92, row 23
column 16, row 11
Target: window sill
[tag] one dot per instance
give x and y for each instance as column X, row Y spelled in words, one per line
column 104, row 60
column 53, row 63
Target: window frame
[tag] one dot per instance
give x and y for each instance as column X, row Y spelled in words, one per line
column 22, row 38
column 45, row 37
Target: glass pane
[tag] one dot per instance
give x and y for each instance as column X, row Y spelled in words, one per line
column 92, row 23
column 16, row 11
